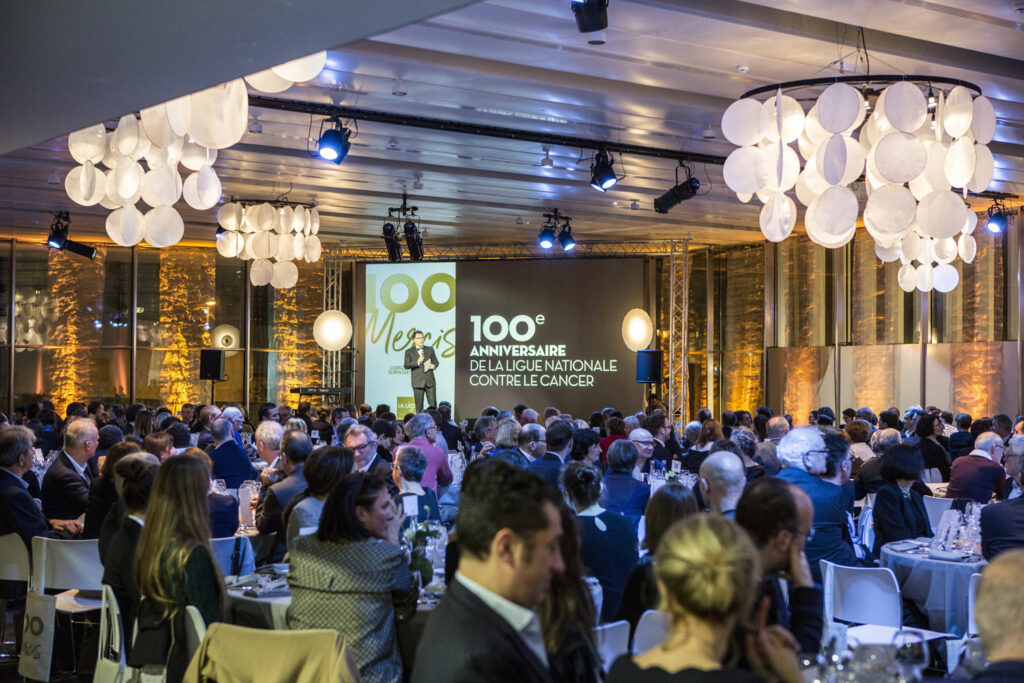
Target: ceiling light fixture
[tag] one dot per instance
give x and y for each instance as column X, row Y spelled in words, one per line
column 565, row 237
column 997, row 217
column 391, row 242
column 414, row 241
column 680, row 193
column 602, row 173
column 398, row 88
column 546, row 238
column 547, row 161
column 591, row 15
column 58, row 238
column 333, row 144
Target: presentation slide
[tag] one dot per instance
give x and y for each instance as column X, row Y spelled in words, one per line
column 538, row 332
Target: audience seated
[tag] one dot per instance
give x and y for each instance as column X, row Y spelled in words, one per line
column 620, row 491
column 362, row 442
column 1002, row 524
column 999, row 613
column 136, row 472
column 409, row 466
column 899, row 511
column 710, row 432
column 805, row 460
column 978, row 476
column 509, row 531
column 558, row 444
column 775, row 429
column 174, row 565
column 722, row 481
column 506, row 443
column 709, row 570
column 928, row 430
column 352, row 576
column 779, row 518
column 532, row 442
column 422, row 431
column 668, row 505
column 230, row 461
column 607, row 539
column 295, row 448
column 586, row 446
column 65, row 489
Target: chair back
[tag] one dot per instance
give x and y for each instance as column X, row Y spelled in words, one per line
column 972, row 596
column 66, row 565
column 869, row 499
column 234, row 555
column 307, row 530
column 195, row 629
column 931, row 475
column 861, row 595
column 651, row 630
column 14, row 560
column 866, row 527
column 612, row 641
column 935, row 507
column 110, row 660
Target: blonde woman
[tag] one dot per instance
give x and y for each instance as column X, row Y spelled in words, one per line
column 174, row 565
column 707, row 571
column 296, row 424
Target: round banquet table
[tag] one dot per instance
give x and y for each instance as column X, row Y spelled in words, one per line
column 938, row 587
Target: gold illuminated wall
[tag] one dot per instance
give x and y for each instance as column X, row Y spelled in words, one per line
column 298, row 361
column 187, row 283
column 75, row 285
column 742, row 311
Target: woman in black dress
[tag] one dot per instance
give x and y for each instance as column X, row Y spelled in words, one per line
column 899, row 511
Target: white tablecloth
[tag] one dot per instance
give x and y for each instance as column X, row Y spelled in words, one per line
column 938, row 587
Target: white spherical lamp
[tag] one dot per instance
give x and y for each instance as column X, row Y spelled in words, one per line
column 637, row 329
column 332, row 330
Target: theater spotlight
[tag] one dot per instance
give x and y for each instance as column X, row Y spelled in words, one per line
column 591, row 15
column 565, row 237
column 414, row 241
column 678, row 194
column 58, row 238
column 546, row 238
column 602, row 174
column 391, row 242
column 334, row 143
column 997, row 217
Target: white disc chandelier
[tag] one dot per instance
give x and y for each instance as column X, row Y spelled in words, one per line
column 924, row 138
column 273, row 235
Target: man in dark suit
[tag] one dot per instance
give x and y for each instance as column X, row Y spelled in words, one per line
column 18, row 512
column 363, row 443
column 485, row 628
column 1002, row 524
column 230, row 461
column 657, row 424
column 998, row 609
column 295, row 448
column 422, row 360
column 65, row 491
column 558, row 438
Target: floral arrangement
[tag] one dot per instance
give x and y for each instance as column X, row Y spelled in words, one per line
column 417, row 536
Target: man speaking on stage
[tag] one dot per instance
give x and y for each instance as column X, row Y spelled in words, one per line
column 420, row 359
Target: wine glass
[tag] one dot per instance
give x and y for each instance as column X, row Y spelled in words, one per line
column 911, row 654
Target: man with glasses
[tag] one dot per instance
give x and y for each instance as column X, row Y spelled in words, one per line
column 979, row 475
column 1002, row 524
column 363, row 444
column 816, row 461
column 779, row 518
column 644, row 442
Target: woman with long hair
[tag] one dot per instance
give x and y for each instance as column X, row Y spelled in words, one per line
column 143, row 425
column 325, row 467
column 174, row 565
column 352, row 576
column 567, row 614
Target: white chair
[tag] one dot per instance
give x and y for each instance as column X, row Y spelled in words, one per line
column 641, row 533
column 935, row 507
column 612, row 641
column 932, row 475
column 195, row 628
column 73, row 566
column 869, row 499
column 110, row 660
column 307, row 530
column 868, row 597
column 224, row 552
column 972, row 595
column 14, row 566
column 651, row 630
column 866, row 527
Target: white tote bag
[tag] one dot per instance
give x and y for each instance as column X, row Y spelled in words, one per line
column 37, row 640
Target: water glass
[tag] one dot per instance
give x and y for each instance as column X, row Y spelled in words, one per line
column 911, row 654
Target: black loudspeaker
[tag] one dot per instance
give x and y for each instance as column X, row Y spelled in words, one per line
column 648, row 366
column 211, row 364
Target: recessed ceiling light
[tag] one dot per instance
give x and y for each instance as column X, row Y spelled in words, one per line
column 398, row 88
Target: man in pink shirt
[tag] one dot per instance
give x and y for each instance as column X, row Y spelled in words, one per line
column 421, row 431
